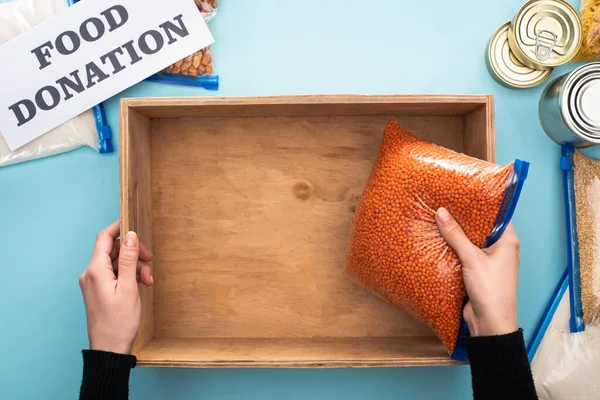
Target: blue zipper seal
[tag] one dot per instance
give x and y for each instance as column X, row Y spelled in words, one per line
column 542, row 327
column 104, row 134
column 507, row 209
column 576, row 323
column 208, row 82
column 509, row 202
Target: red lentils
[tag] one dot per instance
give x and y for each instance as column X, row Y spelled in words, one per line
column 396, row 250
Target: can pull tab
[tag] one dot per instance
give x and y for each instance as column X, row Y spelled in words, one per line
column 544, row 50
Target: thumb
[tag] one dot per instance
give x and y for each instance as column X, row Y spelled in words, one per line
column 454, row 235
column 128, row 258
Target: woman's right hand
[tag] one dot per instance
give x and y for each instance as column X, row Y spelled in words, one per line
column 110, row 289
column 490, row 277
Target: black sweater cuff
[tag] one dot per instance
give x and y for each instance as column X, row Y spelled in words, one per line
column 500, row 368
column 105, row 375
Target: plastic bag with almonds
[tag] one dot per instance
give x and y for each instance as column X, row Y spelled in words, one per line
column 196, row 69
column 199, row 63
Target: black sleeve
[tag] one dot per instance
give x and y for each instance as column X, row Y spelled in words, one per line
column 500, row 368
column 105, row 375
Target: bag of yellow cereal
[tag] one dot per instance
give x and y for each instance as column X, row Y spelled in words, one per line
column 590, row 17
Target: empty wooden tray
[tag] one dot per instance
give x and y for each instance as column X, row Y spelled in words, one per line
column 247, row 204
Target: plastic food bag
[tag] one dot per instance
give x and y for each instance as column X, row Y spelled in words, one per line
column 565, row 365
column 208, row 8
column 590, row 18
column 196, row 69
column 88, row 129
column 581, row 177
column 77, row 132
column 396, row 250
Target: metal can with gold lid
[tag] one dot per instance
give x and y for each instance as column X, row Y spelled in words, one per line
column 506, row 68
column 570, row 107
column 545, row 33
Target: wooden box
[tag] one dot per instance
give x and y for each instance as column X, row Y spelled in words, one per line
column 247, row 205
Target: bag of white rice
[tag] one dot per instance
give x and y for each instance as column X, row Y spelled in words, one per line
column 565, row 365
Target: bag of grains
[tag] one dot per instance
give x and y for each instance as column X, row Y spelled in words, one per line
column 196, row 69
column 565, row 365
column 88, row 129
column 581, row 181
column 590, row 18
column 396, row 250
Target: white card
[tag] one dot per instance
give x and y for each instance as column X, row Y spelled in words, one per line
column 86, row 54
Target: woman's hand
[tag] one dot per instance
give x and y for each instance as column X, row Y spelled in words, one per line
column 490, row 277
column 110, row 290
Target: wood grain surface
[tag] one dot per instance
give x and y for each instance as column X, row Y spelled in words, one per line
column 305, row 106
column 136, row 201
column 251, row 221
column 480, row 132
column 295, row 353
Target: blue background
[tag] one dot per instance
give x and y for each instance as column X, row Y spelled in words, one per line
column 51, row 209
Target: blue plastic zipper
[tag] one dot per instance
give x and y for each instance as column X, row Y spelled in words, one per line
column 460, row 349
column 505, row 214
column 208, row 82
column 547, row 316
column 104, row 133
column 509, row 202
column 566, row 165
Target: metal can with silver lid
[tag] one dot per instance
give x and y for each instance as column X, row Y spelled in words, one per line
column 570, row 107
column 505, row 68
column 545, row 33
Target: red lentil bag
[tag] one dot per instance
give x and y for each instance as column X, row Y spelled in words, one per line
column 396, row 250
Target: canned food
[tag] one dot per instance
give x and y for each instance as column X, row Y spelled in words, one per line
column 570, row 107
column 506, row 68
column 545, row 33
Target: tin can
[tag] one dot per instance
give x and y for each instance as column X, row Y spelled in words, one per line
column 570, row 107
column 504, row 66
column 545, row 33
